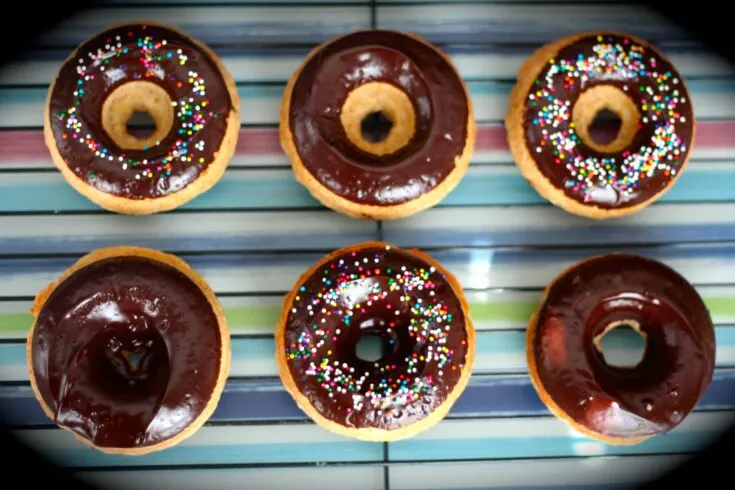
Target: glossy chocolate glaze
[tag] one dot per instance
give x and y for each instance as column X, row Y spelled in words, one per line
column 656, row 89
column 130, row 53
column 376, row 291
column 677, row 364
column 126, row 352
column 439, row 101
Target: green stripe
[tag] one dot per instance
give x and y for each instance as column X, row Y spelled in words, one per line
column 15, row 324
column 245, row 320
column 502, row 311
column 255, row 319
column 721, row 307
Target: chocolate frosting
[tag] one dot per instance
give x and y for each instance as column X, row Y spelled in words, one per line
column 659, row 148
column 677, row 364
column 126, row 352
column 391, row 293
column 130, row 53
column 429, row 81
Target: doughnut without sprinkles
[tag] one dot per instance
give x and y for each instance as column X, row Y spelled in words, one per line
column 129, row 350
column 621, row 404
column 346, row 82
column 561, row 91
column 417, row 310
column 142, row 68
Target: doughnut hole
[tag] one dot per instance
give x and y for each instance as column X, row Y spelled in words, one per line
column 622, row 344
column 605, row 118
column 132, row 98
column 605, row 127
column 376, row 127
column 141, row 125
column 378, row 118
column 377, row 339
column 370, row 347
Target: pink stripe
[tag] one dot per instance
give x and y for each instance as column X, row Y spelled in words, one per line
column 27, row 146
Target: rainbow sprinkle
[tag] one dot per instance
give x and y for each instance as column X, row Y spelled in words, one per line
column 191, row 111
column 359, row 286
column 658, row 94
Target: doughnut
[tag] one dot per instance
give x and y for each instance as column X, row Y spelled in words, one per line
column 561, row 91
column 615, row 404
column 418, row 311
column 129, row 350
column 377, row 124
column 141, row 68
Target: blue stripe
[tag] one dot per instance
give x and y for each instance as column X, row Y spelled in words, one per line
column 512, row 189
column 454, row 257
column 615, row 233
column 256, row 400
column 283, row 191
column 74, row 243
column 229, row 193
column 612, row 235
column 226, row 454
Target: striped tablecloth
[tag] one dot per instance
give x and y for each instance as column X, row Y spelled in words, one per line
column 257, row 230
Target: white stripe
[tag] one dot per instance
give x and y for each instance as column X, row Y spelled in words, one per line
column 308, row 478
column 436, row 17
column 221, row 225
column 542, row 218
column 546, row 472
column 482, row 273
column 478, row 273
column 273, row 278
column 254, row 366
column 532, row 427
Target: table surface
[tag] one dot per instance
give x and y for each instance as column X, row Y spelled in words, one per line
column 258, row 229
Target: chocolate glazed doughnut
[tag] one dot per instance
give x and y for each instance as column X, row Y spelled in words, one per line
column 415, row 307
column 345, row 83
column 621, row 405
column 142, row 68
column 129, row 350
column 561, row 90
